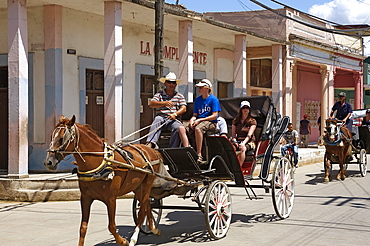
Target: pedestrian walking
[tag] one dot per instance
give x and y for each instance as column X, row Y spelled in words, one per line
column 305, row 131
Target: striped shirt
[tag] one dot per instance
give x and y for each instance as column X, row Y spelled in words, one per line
column 178, row 99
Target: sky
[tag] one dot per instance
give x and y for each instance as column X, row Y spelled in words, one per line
column 339, row 11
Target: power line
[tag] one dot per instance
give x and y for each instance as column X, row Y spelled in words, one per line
column 342, row 32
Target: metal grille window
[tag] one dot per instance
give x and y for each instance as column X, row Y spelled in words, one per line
column 261, row 73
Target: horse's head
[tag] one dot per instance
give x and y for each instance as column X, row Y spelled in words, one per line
column 62, row 140
column 331, row 130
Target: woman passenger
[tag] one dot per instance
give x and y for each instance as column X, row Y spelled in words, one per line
column 242, row 131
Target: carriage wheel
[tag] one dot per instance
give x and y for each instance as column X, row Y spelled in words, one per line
column 217, row 210
column 156, row 206
column 363, row 162
column 283, row 187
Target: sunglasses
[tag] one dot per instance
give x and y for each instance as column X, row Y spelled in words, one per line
column 171, row 82
column 245, row 107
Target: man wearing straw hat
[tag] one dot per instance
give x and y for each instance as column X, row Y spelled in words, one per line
column 169, row 105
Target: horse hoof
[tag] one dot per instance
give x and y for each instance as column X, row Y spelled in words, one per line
column 156, row 231
column 123, row 242
column 326, row 180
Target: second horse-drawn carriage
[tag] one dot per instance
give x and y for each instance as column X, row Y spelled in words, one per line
column 107, row 171
column 343, row 148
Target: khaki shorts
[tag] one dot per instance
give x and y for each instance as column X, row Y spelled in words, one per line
column 204, row 126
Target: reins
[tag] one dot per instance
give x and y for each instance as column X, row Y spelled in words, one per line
column 105, row 169
column 72, row 134
column 138, row 139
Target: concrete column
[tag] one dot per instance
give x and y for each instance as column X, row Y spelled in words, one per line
column 186, row 66
column 331, row 97
column 18, row 89
column 290, row 75
column 359, row 92
column 53, row 67
column 324, row 106
column 113, row 70
column 240, row 66
column 277, row 76
column 249, row 92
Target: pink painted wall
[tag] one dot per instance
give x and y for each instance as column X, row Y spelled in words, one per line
column 309, row 88
column 343, row 79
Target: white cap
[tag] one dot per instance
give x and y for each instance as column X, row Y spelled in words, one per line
column 245, row 103
column 204, row 82
column 171, row 76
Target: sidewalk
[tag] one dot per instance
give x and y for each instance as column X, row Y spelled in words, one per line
column 64, row 186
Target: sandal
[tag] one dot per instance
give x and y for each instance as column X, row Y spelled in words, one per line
column 200, row 160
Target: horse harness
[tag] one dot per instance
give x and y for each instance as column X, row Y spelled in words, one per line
column 340, row 136
column 105, row 171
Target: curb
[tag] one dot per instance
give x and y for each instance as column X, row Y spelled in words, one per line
column 64, row 186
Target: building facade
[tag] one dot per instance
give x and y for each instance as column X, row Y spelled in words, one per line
column 314, row 67
column 95, row 60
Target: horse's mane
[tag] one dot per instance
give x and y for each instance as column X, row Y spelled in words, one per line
column 90, row 130
column 65, row 121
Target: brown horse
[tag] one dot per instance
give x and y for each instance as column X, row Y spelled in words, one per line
column 338, row 145
column 102, row 180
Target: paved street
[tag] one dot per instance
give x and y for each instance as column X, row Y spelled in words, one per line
column 336, row 213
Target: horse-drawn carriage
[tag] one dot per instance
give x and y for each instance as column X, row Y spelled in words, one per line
column 178, row 172
column 343, row 149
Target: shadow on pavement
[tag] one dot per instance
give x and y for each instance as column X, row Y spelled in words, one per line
column 188, row 226
column 318, row 178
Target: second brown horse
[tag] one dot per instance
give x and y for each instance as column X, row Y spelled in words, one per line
column 338, row 146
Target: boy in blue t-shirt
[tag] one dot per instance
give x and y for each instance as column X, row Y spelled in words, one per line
column 205, row 113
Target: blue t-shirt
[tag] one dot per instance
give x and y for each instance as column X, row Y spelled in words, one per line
column 342, row 111
column 205, row 107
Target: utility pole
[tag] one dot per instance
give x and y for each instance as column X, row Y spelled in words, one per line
column 158, row 56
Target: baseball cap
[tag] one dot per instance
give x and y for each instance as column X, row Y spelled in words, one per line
column 245, row 104
column 305, row 116
column 342, row 94
column 171, row 76
column 204, row 82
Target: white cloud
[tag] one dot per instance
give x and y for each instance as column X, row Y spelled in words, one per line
column 345, row 12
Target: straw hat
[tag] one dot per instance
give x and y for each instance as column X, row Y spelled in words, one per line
column 170, row 77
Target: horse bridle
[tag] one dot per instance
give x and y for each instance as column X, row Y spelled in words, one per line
column 71, row 134
column 338, row 133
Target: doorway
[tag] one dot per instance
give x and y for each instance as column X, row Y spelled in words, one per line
column 95, row 100
column 4, row 119
column 146, row 93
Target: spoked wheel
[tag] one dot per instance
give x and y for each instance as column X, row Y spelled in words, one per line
column 217, row 209
column 363, row 162
column 283, row 187
column 156, row 206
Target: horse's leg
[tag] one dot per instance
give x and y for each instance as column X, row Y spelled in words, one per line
column 140, row 216
column 147, row 186
column 341, row 172
column 111, row 208
column 327, row 167
column 142, row 194
column 85, row 203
